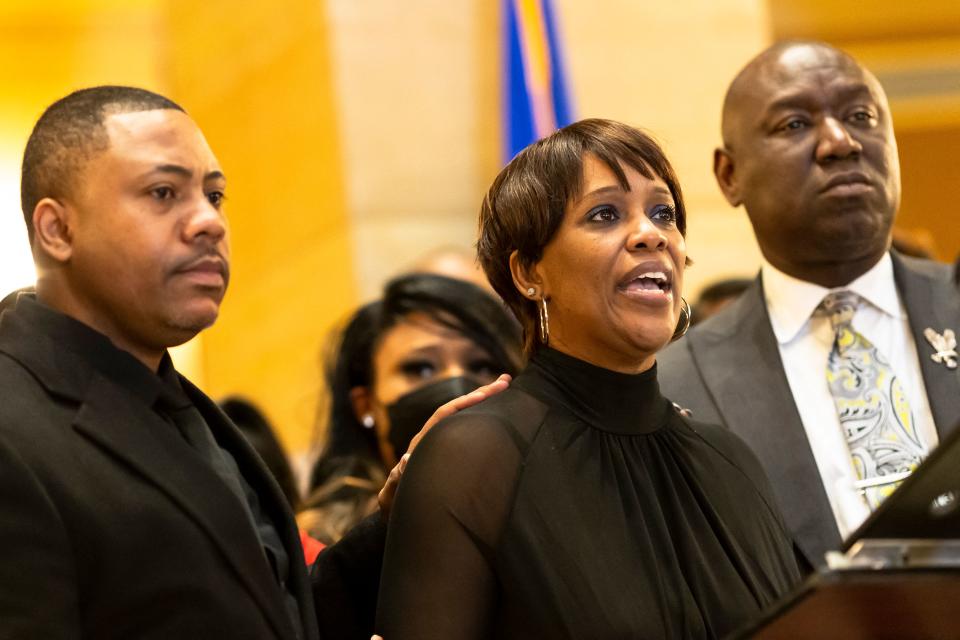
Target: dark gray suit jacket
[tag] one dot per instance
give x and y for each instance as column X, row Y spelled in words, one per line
column 728, row 371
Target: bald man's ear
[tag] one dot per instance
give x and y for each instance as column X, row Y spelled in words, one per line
column 724, row 170
column 526, row 277
column 53, row 230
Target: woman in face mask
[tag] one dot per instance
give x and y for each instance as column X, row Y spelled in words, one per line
column 429, row 340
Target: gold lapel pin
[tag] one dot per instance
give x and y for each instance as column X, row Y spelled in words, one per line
column 945, row 345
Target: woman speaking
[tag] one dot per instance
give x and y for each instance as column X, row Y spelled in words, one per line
column 579, row 503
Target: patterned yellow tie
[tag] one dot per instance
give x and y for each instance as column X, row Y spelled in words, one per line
column 873, row 408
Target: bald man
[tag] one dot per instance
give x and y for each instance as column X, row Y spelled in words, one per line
column 825, row 358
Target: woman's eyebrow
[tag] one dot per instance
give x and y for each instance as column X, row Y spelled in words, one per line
column 602, row 190
column 663, row 191
column 615, row 188
column 425, row 350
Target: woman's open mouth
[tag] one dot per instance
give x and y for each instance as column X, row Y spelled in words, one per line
column 647, row 284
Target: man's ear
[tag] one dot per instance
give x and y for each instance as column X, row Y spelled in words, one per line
column 724, row 170
column 53, row 229
column 526, row 278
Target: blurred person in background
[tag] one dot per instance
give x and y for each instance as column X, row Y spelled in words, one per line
column 453, row 262
column 715, row 296
column 579, row 503
column 257, row 431
column 428, row 340
column 260, row 434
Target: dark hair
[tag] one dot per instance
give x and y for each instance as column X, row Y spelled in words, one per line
column 717, row 291
column 526, row 203
column 722, row 289
column 460, row 305
column 348, row 362
column 68, row 134
column 257, row 430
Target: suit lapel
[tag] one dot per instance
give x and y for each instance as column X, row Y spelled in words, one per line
column 140, row 438
column 932, row 302
column 272, row 499
column 740, row 361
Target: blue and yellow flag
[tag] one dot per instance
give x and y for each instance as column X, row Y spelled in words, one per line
column 536, row 101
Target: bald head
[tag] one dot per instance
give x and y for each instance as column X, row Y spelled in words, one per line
column 454, row 262
column 808, row 149
column 775, row 66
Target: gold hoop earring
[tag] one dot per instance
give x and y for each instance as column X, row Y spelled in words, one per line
column 686, row 315
column 544, row 322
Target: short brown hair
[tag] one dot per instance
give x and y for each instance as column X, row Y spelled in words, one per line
column 526, row 203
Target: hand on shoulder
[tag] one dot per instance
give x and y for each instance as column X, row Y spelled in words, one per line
column 389, row 491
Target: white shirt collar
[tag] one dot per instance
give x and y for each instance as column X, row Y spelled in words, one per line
column 791, row 302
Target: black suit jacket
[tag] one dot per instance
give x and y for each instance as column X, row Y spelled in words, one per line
column 109, row 527
column 728, row 371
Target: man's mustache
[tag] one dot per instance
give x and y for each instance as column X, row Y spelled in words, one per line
column 211, row 260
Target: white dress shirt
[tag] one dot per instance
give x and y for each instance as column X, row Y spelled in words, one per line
column 805, row 342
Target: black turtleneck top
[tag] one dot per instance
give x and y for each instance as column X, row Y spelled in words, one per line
column 579, row 504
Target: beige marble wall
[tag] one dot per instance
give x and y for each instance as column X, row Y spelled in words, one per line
column 418, row 108
column 257, row 79
column 418, row 100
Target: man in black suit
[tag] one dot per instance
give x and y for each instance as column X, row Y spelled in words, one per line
column 808, row 149
column 130, row 506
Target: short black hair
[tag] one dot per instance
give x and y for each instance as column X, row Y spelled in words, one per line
column 68, row 133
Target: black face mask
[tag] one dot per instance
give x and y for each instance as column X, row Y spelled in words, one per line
column 409, row 413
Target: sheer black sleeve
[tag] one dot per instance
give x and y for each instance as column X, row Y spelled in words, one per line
column 438, row 576
column 345, row 580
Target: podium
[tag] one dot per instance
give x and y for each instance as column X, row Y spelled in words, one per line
column 896, row 578
column 881, row 589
